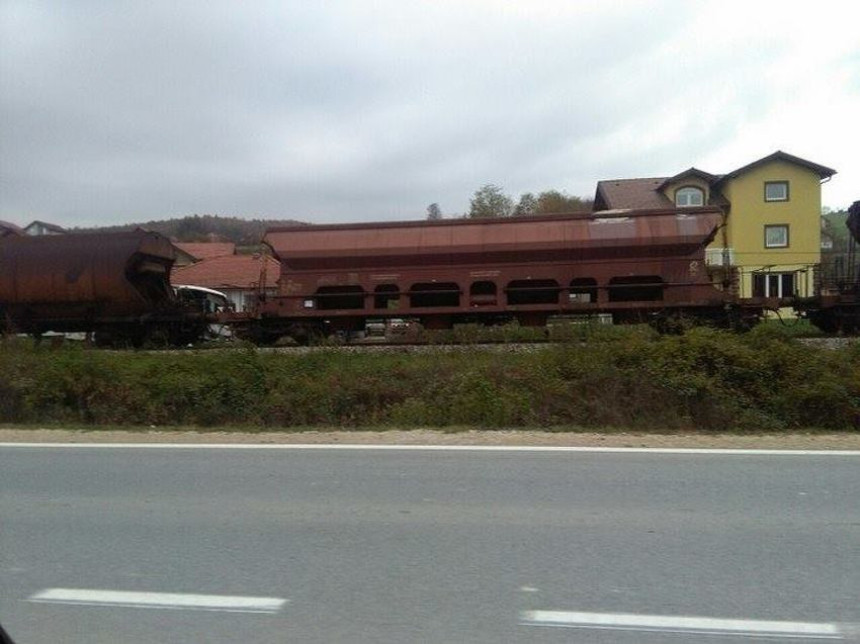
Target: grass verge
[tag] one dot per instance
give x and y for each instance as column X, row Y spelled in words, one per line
column 704, row 380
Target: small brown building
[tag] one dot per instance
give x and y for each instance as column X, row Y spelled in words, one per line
column 239, row 277
column 191, row 252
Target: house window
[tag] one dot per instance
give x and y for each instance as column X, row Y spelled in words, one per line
column 689, row 196
column 773, row 285
column 776, row 236
column 776, row 190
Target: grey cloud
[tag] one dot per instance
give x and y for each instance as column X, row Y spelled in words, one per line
column 115, row 111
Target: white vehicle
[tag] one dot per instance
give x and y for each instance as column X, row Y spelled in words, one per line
column 208, row 301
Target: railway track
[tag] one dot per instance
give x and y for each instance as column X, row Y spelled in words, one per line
column 821, row 342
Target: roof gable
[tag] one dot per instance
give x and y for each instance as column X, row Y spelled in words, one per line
column 54, row 228
column 691, row 173
column 822, row 171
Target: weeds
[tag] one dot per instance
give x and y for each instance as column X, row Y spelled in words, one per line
column 599, row 378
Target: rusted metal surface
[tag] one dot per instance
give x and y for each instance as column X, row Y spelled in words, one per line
column 61, row 282
column 626, row 263
column 492, row 241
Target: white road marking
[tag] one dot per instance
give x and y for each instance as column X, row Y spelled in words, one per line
column 683, row 625
column 174, row 601
column 449, row 448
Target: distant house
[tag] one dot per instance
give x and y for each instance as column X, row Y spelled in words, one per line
column 43, row 228
column 191, row 252
column 7, row 228
column 239, row 277
column 772, row 209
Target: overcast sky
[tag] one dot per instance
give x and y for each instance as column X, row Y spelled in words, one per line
column 362, row 110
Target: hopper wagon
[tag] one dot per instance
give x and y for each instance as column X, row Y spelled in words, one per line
column 631, row 265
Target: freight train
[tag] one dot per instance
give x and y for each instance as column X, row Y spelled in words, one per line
column 344, row 280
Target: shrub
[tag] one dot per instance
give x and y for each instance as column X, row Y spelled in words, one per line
column 600, row 377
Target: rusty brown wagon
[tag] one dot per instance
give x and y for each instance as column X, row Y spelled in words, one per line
column 630, row 265
column 116, row 286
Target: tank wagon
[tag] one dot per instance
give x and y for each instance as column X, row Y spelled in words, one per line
column 631, row 265
column 116, row 286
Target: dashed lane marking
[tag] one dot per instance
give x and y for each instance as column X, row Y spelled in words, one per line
column 174, row 601
column 684, row 625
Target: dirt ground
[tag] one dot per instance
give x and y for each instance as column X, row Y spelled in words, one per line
column 817, row 441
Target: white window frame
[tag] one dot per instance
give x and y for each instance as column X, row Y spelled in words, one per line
column 775, row 227
column 782, row 197
column 686, row 192
column 780, row 283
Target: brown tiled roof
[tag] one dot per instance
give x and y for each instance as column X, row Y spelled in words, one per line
column 206, row 250
column 7, row 228
column 228, row 272
column 646, row 193
column 632, row 193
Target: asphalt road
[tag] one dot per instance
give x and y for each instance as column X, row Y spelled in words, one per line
column 108, row 545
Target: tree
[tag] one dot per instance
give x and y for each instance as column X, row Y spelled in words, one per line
column 434, row 212
column 553, row 201
column 490, row 201
column 191, row 229
column 527, row 205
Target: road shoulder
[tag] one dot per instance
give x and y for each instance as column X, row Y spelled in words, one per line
column 791, row 441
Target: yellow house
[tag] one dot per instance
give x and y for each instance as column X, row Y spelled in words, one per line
column 771, row 241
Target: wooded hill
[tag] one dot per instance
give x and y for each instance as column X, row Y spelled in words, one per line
column 205, row 228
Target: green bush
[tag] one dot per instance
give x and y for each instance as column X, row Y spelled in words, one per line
column 600, row 377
